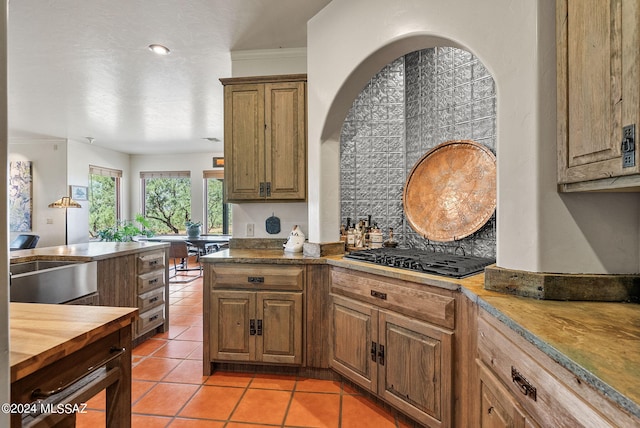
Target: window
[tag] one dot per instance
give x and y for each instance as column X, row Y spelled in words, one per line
column 166, row 200
column 217, row 213
column 104, row 198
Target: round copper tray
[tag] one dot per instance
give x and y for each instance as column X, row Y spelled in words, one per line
column 451, row 191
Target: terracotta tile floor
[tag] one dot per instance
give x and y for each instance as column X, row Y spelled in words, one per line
column 168, row 389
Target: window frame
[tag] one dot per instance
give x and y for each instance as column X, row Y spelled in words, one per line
column 216, row 174
column 113, row 173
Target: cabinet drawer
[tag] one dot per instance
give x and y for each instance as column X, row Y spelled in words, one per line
column 257, row 277
column 150, row 299
column 150, row 261
column 150, row 281
column 415, row 300
column 535, row 383
column 65, row 370
column 150, row 319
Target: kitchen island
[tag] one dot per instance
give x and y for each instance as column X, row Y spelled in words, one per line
column 84, row 252
column 63, row 355
column 129, row 274
column 588, row 347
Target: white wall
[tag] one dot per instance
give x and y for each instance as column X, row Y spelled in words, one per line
column 57, row 164
column 49, row 167
column 268, row 62
column 4, row 251
column 264, row 63
column 538, row 229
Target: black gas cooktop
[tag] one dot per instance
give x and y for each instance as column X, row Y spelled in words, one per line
column 424, row 261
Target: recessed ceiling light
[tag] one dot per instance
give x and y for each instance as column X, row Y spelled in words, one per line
column 159, row 49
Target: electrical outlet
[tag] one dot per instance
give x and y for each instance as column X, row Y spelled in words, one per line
column 249, row 229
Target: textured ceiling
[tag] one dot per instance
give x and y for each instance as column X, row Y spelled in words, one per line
column 81, row 68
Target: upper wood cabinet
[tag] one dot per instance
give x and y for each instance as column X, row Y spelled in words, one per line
column 265, row 145
column 598, row 71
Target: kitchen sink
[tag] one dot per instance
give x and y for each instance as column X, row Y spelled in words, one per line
column 44, row 281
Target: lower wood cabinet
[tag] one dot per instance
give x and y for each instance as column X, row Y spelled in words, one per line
column 522, row 387
column 138, row 280
column 253, row 313
column 498, row 407
column 256, row 327
column 406, row 362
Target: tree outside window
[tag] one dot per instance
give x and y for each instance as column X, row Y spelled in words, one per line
column 104, row 199
column 218, row 213
column 167, row 200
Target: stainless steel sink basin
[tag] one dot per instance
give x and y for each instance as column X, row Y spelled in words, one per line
column 52, row 281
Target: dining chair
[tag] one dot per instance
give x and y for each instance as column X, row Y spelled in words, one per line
column 180, row 251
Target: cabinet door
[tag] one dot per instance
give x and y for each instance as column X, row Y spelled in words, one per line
column 244, row 141
column 597, row 87
column 498, row 409
column 231, row 314
column 416, row 371
column 285, row 140
column 279, row 328
column 354, row 337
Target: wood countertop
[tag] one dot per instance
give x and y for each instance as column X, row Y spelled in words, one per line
column 84, row 252
column 599, row 342
column 40, row 334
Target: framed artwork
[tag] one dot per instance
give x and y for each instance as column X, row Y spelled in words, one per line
column 79, row 193
column 20, row 196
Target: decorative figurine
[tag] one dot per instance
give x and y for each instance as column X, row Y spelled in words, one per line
column 295, row 241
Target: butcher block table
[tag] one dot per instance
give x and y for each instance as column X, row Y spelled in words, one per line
column 62, row 355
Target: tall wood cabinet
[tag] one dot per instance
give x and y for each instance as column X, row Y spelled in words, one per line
column 255, row 314
column 404, row 360
column 265, row 138
column 598, row 78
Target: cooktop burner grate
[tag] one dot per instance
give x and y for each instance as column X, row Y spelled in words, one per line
column 424, row 261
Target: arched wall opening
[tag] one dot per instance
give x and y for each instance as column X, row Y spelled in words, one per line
column 538, row 229
column 412, row 105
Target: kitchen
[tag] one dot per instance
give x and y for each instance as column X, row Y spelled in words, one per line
column 539, row 230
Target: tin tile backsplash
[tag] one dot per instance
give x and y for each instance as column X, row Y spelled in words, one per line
column 413, row 104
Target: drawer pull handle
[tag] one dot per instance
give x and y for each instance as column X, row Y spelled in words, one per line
column 259, row 331
column 381, row 354
column 374, row 351
column 153, row 262
column 525, row 387
column 115, row 352
column 255, row 279
column 153, row 281
column 153, row 299
column 379, row 295
column 252, row 327
column 153, row 318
